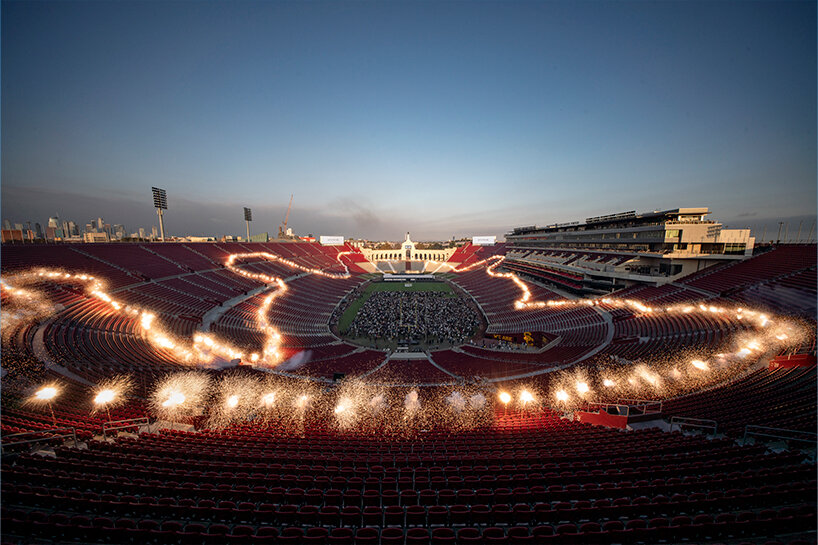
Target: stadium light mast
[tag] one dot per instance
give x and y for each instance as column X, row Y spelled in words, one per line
column 248, row 217
column 160, row 202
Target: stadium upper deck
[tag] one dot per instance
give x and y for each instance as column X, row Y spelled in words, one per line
column 609, row 252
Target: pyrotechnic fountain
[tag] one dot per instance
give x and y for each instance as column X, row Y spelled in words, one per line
column 235, row 400
column 46, row 394
column 112, row 393
column 180, row 396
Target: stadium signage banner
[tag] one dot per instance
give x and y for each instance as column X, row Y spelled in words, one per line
column 332, row 240
column 484, row 241
column 389, row 277
column 531, row 338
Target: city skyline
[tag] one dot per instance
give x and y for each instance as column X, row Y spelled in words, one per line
column 57, row 228
column 794, row 229
column 444, row 120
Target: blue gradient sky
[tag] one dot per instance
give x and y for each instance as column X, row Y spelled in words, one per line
column 440, row 118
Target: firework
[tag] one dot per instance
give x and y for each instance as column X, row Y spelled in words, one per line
column 477, row 401
column 698, row 364
column 180, row 395
column 24, row 306
column 235, row 399
column 111, row 393
column 526, row 397
column 46, row 395
column 411, row 404
column 456, row 401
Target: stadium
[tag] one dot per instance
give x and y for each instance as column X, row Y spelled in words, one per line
column 630, row 378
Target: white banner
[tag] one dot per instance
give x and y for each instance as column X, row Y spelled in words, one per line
column 332, row 240
column 484, row 241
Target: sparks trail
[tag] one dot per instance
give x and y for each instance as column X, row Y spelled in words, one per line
column 205, row 347
column 525, row 302
column 671, row 375
column 272, row 342
column 662, row 378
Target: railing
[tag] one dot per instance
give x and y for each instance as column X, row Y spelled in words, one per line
column 624, row 406
column 647, row 405
column 700, row 423
column 124, row 424
column 72, row 434
column 621, row 409
column 781, row 434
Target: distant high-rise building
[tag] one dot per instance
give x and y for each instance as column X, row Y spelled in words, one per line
column 141, row 232
column 100, row 224
column 38, row 231
column 119, row 231
column 89, row 227
column 6, row 224
column 65, row 230
column 11, row 235
column 154, row 233
column 96, row 237
column 50, row 233
column 54, row 222
column 18, row 226
column 73, row 230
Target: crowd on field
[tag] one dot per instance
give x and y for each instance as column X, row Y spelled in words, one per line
column 428, row 316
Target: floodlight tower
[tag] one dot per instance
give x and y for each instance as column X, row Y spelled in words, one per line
column 160, row 202
column 248, row 217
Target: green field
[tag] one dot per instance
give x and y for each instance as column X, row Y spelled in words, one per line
column 352, row 310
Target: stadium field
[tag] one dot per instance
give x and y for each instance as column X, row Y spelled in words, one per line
column 352, row 310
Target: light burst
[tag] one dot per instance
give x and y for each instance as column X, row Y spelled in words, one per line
column 180, row 396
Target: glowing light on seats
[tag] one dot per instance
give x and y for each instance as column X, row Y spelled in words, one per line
column 180, row 395
column 699, row 364
column 583, row 388
column 105, row 396
column 46, row 393
column 174, row 399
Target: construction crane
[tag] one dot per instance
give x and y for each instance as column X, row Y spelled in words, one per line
column 282, row 229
